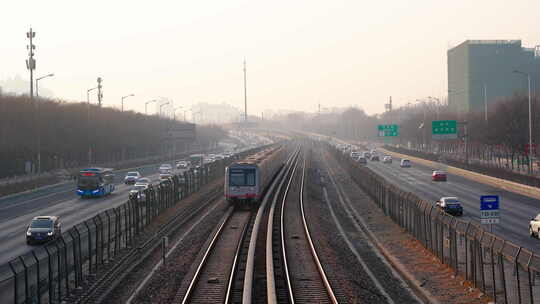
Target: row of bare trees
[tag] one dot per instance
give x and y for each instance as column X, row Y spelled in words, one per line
column 504, row 134
column 68, row 134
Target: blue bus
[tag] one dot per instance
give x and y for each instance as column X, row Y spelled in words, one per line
column 95, row 182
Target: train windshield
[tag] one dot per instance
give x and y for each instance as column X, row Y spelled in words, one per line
column 242, row 177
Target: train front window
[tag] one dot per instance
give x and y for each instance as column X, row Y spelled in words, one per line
column 242, row 177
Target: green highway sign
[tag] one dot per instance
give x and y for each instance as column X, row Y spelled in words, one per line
column 444, row 129
column 388, row 130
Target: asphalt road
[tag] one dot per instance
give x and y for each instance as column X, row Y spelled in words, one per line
column 17, row 211
column 515, row 210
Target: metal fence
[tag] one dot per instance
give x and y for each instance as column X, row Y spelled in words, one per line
column 506, row 272
column 50, row 272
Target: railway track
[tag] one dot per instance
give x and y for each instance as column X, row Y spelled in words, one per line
column 294, row 271
column 220, row 276
column 98, row 290
column 213, row 278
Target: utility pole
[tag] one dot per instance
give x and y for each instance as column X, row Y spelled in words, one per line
column 31, row 62
column 100, row 94
column 245, row 93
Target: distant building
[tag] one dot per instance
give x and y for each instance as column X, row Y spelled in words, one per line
column 475, row 65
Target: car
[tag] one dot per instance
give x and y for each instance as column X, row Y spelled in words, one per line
column 534, row 226
column 374, row 157
column 43, row 229
column 144, row 180
column 132, row 177
column 164, row 176
column 387, row 159
column 354, row 155
column 362, row 160
column 182, row 165
column 405, row 163
column 450, row 205
column 165, row 168
column 438, row 175
column 138, row 191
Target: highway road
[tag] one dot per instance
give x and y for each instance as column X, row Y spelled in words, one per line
column 17, row 211
column 516, row 210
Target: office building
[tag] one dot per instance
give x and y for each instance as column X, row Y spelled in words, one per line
column 480, row 73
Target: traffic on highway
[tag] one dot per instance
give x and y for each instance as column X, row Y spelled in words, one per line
column 460, row 196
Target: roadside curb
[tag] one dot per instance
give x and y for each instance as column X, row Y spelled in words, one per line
column 478, row 177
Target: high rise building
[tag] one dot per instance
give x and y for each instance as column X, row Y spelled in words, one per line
column 480, row 73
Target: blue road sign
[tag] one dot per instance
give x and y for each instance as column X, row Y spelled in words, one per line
column 489, row 202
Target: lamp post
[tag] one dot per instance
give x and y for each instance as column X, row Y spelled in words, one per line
column 38, row 127
column 88, row 123
column 146, row 105
column 38, row 79
column 530, row 116
column 161, row 106
column 124, row 97
column 88, row 94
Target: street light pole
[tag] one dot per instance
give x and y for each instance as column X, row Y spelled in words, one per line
column 146, row 106
column 38, row 79
column 38, row 127
column 245, row 93
column 530, row 117
column 88, row 123
column 124, row 97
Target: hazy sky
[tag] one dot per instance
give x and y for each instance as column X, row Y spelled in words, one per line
column 299, row 53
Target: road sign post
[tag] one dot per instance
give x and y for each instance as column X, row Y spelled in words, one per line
column 489, row 210
column 444, row 129
column 388, row 130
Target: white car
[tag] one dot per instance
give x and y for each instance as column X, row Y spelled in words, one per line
column 405, row 163
column 138, row 192
column 132, row 177
column 165, row 168
column 534, row 226
column 182, row 165
column 387, row 159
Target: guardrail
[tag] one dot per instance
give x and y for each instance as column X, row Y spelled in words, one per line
column 503, row 270
column 49, row 273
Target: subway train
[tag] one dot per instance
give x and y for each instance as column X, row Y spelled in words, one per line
column 246, row 180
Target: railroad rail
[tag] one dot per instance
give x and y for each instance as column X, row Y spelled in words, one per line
column 298, row 277
column 218, row 277
column 97, row 292
column 211, row 282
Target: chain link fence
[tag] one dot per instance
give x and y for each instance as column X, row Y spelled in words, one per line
column 505, row 271
column 49, row 273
